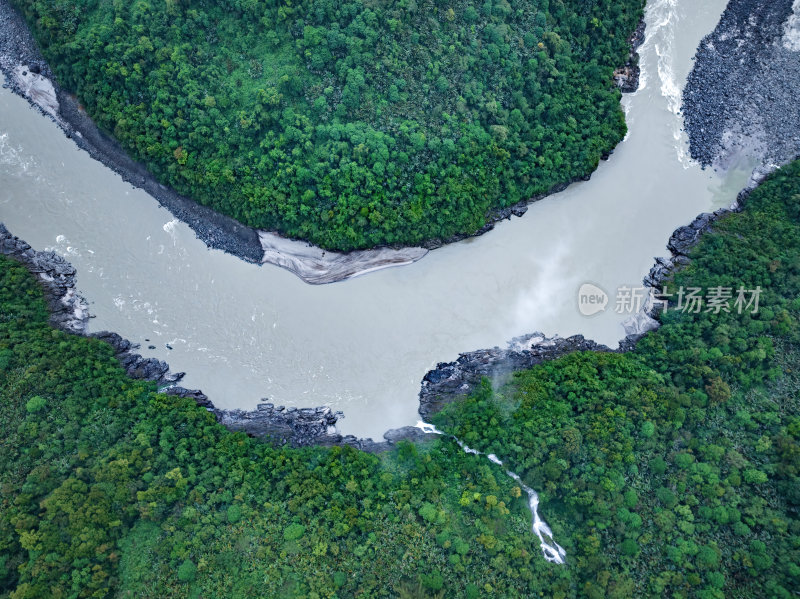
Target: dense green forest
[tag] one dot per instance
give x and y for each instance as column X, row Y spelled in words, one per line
column 350, row 124
column 672, row 471
column 668, row 471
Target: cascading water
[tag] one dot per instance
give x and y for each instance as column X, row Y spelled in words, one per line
column 552, row 551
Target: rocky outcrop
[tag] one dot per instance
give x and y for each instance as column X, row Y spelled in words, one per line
column 317, row 266
column 627, row 76
column 136, row 366
column 68, row 310
column 741, row 96
column 449, row 381
column 29, row 76
column 298, row 427
column 301, row 427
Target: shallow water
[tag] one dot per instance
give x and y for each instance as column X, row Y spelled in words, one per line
column 244, row 332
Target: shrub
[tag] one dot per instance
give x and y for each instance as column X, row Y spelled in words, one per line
column 35, row 404
column 294, row 531
column 187, row 571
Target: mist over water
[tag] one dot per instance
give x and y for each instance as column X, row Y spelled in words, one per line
column 244, row 332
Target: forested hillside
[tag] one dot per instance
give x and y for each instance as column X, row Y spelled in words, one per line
column 350, row 124
column 668, row 471
column 109, row 487
column 673, row 471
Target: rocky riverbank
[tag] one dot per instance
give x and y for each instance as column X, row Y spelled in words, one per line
column 29, row 75
column 684, row 238
column 741, row 96
column 627, row 77
column 280, row 425
column 68, row 310
column 450, row 381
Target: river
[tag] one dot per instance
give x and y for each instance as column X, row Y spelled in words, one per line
column 244, row 332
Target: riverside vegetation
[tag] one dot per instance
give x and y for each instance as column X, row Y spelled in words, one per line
column 349, row 124
column 669, row 470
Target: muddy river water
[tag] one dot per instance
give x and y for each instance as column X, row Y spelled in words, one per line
column 244, row 332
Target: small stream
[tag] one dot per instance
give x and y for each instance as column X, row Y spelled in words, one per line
column 552, row 551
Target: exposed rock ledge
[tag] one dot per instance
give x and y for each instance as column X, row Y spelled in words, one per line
column 450, row 381
column 68, row 310
column 317, row 266
column 294, row 426
column 627, row 77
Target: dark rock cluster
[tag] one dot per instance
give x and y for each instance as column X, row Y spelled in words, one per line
column 300, row 427
column 68, row 310
column 16, row 44
column 627, row 77
column 741, row 96
column 449, row 381
column 136, row 366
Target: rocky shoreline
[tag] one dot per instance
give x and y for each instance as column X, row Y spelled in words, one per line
column 627, row 77
column 297, row 427
column 741, row 97
column 449, row 381
column 68, row 310
column 452, row 380
column 20, row 54
column 26, row 70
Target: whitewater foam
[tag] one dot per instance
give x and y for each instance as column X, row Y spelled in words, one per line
column 791, row 36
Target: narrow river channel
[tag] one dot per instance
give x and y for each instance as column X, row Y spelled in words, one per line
column 244, row 332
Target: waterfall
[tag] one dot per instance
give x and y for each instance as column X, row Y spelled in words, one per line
column 552, row 551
